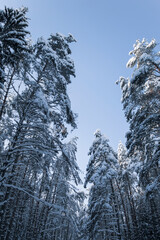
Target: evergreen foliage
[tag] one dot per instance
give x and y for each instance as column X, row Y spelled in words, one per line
column 38, row 170
column 39, row 174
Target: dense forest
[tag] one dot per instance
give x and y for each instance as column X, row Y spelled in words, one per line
column 39, row 175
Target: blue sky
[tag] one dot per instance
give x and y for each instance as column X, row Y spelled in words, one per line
column 105, row 31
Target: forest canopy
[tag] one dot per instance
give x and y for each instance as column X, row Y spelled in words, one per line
column 39, row 175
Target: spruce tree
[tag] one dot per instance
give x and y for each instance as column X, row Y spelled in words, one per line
column 103, row 219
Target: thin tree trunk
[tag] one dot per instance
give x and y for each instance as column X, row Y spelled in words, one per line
column 6, row 95
column 116, row 210
column 48, row 208
column 125, row 213
column 14, row 210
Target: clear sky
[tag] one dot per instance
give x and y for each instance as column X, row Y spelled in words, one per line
column 105, row 31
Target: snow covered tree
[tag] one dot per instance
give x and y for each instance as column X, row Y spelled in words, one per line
column 103, row 218
column 37, row 169
column 141, row 101
column 45, row 97
column 122, row 156
column 61, row 218
column 127, row 185
column 82, row 222
column 141, row 104
column 13, row 46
